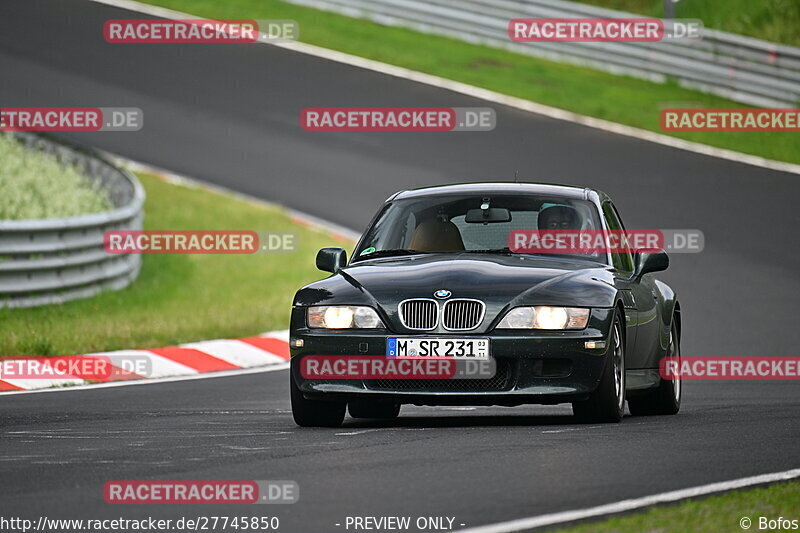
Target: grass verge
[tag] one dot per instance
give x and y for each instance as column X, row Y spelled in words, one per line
column 717, row 513
column 179, row 298
column 35, row 185
column 616, row 98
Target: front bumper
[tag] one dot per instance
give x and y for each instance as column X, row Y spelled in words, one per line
column 532, row 367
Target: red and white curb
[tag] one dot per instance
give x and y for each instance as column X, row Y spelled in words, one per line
column 185, row 360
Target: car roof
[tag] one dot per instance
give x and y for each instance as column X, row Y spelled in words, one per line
column 492, row 187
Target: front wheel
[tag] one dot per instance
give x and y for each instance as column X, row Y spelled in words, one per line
column 666, row 399
column 607, row 402
column 315, row 413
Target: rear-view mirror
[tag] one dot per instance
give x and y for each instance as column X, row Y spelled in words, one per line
column 488, row 216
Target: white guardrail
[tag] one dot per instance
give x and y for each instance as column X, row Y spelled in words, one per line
column 54, row 260
column 743, row 69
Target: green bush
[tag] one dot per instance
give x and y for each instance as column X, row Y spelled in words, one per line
column 35, row 185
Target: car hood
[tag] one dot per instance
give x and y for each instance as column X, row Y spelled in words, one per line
column 501, row 281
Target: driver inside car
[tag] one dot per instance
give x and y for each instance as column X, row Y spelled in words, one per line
column 559, row 217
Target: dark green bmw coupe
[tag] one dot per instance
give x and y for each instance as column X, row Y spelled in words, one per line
column 436, row 276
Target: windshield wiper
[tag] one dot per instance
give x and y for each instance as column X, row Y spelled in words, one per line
column 491, row 251
column 388, row 253
column 546, row 255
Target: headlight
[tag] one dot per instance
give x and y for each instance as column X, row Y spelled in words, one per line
column 545, row 317
column 343, row 317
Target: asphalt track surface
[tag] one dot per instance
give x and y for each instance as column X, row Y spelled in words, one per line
column 229, row 114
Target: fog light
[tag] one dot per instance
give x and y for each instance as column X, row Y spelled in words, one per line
column 296, row 343
column 595, row 345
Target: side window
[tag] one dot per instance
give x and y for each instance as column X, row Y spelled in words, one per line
column 622, row 260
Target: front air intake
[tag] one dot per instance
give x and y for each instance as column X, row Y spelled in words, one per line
column 462, row 314
column 419, row 313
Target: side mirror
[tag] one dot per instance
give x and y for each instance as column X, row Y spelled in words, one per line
column 647, row 262
column 331, row 259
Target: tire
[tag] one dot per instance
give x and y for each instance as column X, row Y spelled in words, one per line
column 373, row 409
column 607, row 402
column 315, row 413
column 666, row 399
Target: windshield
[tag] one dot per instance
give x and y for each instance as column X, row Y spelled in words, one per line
column 473, row 223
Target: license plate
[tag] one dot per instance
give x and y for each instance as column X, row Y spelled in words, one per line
column 474, row 348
